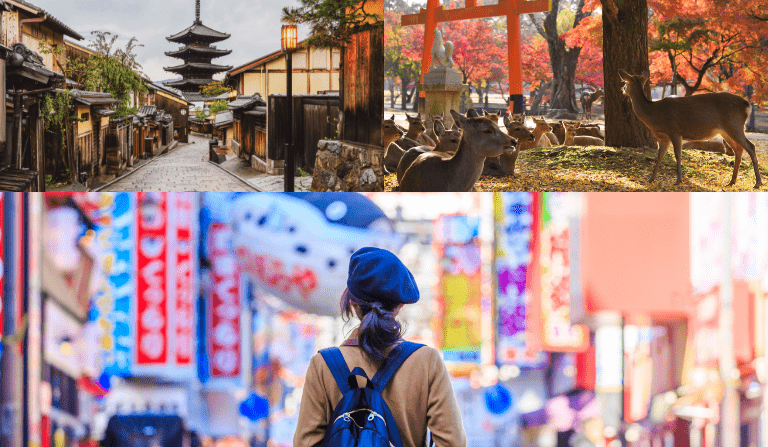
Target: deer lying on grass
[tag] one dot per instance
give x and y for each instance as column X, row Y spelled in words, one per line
column 720, row 147
column 587, row 99
column 481, row 138
column 394, row 143
column 571, row 139
column 584, row 130
column 449, row 143
column 693, row 118
column 505, row 164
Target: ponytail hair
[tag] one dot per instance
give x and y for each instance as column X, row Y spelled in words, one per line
column 378, row 329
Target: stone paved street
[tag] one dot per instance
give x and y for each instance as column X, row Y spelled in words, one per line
column 183, row 169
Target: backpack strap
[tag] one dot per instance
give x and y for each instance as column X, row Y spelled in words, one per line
column 392, row 363
column 338, row 367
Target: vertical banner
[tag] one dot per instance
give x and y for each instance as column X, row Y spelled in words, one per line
column 638, row 372
column 749, row 238
column 458, row 249
column 112, row 305
column 184, row 307
column 559, row 335
column 514, row 231
column 705, row 329
column 707, row 232
column 152, row 279
column 224, row 334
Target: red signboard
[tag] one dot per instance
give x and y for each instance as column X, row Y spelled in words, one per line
column 224, row 309
column 152, row 279
column 184, row 310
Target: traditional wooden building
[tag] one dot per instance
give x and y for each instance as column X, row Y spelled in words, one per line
column 197, row 53
column 31, row 25
column 249, row 123
column 315, row 71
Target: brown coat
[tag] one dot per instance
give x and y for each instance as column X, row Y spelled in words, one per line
column 419, row 395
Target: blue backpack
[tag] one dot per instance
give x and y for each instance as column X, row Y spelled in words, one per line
column 362, row 418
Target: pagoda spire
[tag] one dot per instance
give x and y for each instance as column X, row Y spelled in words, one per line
column 197, row 12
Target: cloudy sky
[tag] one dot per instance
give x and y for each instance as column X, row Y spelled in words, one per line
column 253, row 24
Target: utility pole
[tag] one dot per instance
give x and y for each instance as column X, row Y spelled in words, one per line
column 730, row 432
column 11, row 372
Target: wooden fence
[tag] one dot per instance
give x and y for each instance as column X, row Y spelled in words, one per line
column 314, row 119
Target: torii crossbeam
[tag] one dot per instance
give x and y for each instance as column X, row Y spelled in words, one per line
column 512, row 9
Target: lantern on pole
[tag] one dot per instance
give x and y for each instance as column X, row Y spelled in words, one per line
column 288, row 42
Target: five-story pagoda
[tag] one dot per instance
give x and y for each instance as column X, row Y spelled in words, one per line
column 197, row 54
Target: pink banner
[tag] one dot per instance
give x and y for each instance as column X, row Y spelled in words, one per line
column 152, row 280
column 224, row 328
column 184, row 307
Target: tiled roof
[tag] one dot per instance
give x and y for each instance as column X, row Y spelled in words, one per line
column 187, row 49
column 223, row 119
column 257, row 111
column 198, row 66
column 63, row 27
column 198, row 97
column 198, row 30
column 103, row 112
column 188, row 82
column 147, row 110
column 246, row 101
column 93, row 98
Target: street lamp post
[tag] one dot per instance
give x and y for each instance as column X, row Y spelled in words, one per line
column 288, row 40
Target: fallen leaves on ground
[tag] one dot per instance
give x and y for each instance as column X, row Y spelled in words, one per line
column 627, row 169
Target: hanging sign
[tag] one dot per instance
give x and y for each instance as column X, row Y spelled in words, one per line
column 224, row 306
column 152, row 279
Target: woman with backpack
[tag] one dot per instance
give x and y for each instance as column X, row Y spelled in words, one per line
column 376, row 389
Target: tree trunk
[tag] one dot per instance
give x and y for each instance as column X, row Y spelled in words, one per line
column 625, row 46
column 404, row 93
column 563, row 59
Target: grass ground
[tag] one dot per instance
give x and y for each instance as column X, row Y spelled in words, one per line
column 626, row 169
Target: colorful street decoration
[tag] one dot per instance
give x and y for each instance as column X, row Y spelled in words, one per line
column 707, row 233
column 183, row 214
column 559, row 336
column 112, row 306
column 224, row 334
column 297, row 247
column 458, row 248
column 514, row 225
column 152, row 279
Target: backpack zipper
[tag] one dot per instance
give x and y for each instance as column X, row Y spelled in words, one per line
column 347, row 417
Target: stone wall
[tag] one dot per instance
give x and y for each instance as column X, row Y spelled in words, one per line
column 342, row 166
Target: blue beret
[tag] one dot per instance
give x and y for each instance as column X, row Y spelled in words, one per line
column 377, row 275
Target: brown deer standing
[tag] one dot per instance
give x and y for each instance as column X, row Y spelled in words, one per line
column 693, row 118
column 394, row 143
column 587, row 99
column 481, row 138
column 449, row 143
column 571, row 139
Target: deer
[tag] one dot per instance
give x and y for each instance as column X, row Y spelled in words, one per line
column 588, row 130
column 571, row 139
column 449, row 143
column 692, row 118
column 505, row 164
column 587, row 99
column 394, row 143
column 481, row 138
column 719, row 147
column 430, row 132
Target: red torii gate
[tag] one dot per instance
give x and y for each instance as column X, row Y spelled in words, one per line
column 512, row 9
